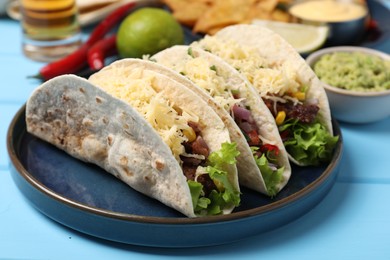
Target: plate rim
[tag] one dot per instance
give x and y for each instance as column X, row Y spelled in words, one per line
column 291, row 199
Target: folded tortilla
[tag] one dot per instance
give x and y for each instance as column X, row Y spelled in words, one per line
column 100, row 126
column 281, row 77
column 224, row 89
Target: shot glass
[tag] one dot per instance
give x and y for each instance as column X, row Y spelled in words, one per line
column 50, row 28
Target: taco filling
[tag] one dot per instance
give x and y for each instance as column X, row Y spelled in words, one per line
column 306, row 139
column 265, row 155
column 181, row 130
column 229, row 95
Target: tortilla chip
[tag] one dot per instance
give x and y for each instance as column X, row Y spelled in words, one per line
column 214, row 30
column 223, row 13
column 188, row 12
column 209, row 16
column 281, row 16
column 267, row 5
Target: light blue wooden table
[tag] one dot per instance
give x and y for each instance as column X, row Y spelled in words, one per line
column 352, row 222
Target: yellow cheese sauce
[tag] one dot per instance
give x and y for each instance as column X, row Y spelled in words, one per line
column 328, row 11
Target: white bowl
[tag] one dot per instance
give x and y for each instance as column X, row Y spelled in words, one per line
column 355, row 106
column 344, row 27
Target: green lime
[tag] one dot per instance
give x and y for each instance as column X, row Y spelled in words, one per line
column 148, row 31
column 303, row 37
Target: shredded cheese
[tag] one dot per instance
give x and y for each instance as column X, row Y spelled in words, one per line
column 268, row 79
column 165, row 117
column 206, row 76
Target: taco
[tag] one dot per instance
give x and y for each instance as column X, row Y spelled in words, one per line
column 288, row 86
column 263, row 163
column 145, row 129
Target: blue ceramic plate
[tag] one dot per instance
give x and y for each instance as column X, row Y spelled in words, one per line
column 90, row 200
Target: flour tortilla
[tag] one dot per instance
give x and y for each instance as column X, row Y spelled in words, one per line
column 277, row 50
column 214, row 132
column 177, row 58
column 93, row 126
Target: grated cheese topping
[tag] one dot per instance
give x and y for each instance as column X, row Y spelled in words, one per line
column 164, row 116
column 268, row 79
column 206, row 76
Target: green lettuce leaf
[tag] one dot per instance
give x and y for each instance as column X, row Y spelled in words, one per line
column 271, row 177
column 196, row 191
column 226, row 155
column 311, row 144
column 226, row 195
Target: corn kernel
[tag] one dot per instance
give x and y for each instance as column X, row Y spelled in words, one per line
column 280, row 117
column 300, row 95
column 190, row 134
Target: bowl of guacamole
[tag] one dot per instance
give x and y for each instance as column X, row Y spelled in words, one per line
column 356, row 81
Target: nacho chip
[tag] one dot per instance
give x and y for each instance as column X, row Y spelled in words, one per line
column 267, row 10
column 188, row 12
column 209, row 16
column 223, row 13
column 281, row 16
column 267, row 5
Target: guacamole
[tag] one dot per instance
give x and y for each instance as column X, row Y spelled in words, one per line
column 354, row 71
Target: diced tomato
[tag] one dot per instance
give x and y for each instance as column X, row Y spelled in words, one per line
column 269, row 148
column 253, row 138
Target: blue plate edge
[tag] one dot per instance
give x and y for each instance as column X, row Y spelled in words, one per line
column 44, row 203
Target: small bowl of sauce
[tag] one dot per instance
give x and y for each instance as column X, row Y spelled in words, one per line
column 346, row 19
column 356, row 81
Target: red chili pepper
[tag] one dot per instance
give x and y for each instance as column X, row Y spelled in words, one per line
column 78, row 59
column 67, row 65
column 103, row 48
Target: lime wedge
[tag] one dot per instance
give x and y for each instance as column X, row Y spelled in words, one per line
column 304, row 38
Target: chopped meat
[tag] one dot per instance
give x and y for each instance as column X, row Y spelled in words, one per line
column 305, row 113
column 207, row 182
column 253, row 138
column 199, row 146
column 243, row 118
column 190, row 164
column 189, row 171
column 191, row 160
column 195, row 126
